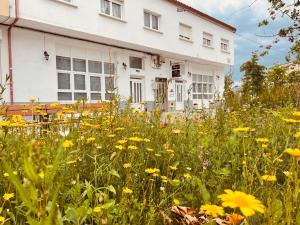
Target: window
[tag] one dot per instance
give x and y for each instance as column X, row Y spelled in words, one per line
column 136, row 63
column 151, row 20
column 207, row 40
column 185, row 32
column 177, row 70
column 224, row 45
column 112, row 8
column 136, row 90
column 82, row 79
column 203, row 87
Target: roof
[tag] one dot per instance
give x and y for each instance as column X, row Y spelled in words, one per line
column 202, row 15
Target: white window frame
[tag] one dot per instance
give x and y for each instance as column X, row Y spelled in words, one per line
column 225, row 42
column 72, row 3
column 143, row 62
column 201, row 95
column 151, row 20
column 93, row 74
column 111, row 2
column 206, row 40
column 183, row 37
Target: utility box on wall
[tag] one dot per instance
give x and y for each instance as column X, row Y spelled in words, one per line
column 4, row 8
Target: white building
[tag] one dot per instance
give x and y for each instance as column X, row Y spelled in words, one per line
column 159, row 51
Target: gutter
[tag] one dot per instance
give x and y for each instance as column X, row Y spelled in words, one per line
column 10, row 60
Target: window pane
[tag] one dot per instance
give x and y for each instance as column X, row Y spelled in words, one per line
column 136, row 63
column 80, row 96
column 211, row 79
column 200, row 78
column 105, row 7
column 95, row 83
column 116, row 10
column 194, row 77
column 64, row 81
column 63, row 63
column 64, row 96
column 194, row 88
column 95, row 67
column 146, row 19
column 205, row 79
column 79, row 81
column 79, row 65
column 109, row 68
column 204, row 88
column 195, row 96
column 108, row 96
column 109, row 84
column 199, row 88
column 155, row 22
column 95, row 96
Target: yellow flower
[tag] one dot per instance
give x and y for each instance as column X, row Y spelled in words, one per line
column 176, row 131
column 242, row 129
column 170, row 151
column 127, row 191
column 2, row 220
column 297, row 135
column 158, row 155
column 68, row 144
column 212, row 210
column 264, row 145
column 71, row 162
column 152, row 170
column 132, row 147
column 119, row 129
column 293, row 152
column 248, row 204
column 176, row 201
column 91, row 139
column 270, row 178
column 6, row 175
column 122, row 141
column 120, row 147
column 288, row 174
column 127, row 165
column 136, row 139
column 111, row 135
column 146, row 140
column 41, row 174
column 262, row 140
column 150, row 149
column 290, row 120
column 187, row 176
column 97, row 209
column 296, row 113
column 173, row 168
column 32, row 100
column 8, row 196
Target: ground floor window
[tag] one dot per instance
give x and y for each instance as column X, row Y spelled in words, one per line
column 136, row 90
column 203, row 87
column 79, row 79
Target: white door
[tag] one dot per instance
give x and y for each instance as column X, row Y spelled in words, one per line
column 136, row 92
column 179, row 95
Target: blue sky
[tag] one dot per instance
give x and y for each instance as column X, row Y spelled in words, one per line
column 245, row 18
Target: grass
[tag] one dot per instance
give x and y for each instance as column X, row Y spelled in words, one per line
column 113, row 166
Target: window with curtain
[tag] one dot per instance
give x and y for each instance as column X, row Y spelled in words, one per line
column 224, row 45
column 151, row 20
column 185, row 31
column 207, row 39
column 203, row 87
column 112, row 8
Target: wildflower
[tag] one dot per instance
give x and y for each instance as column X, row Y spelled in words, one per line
column 155, row 175
column 111, row 135
column 187, row 176
column 2, row 220
column 279, row 160
column 119, row 129
column 293, row 152
column 127, row 191
column 290, row 120
column 296, row 113
column 152, row 170
column 262, row 140
column 170, row 151
column 242, row 129
column 71, row 162
column 91, row 139
column 68, row 144
column 248, row 204
column 288, row 174
column 7, row 175
column 123, row 141
column 158, row 155
column 120, row 147
column 162, row 188
column 235, row 218
column 212, row 210
column 270, row 178
column 127, row 165
column 32, row 100
column 176, row 131
column 132, row 147
column 8, row 196
column 135, row 139
column 41, row 175
column 55, row 104
column 146, row 140
column 264, row 145
column 176, row 201
column 175, row 182
column 173, row 168
column 297, row 135
column 97, row 209
column 150, row 149
column 4, row 123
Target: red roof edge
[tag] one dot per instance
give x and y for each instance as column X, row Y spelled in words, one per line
column 202, row 15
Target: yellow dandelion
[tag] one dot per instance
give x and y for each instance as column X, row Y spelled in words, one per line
column 248, row 204
column 296, row 113
column 295, row 152
column 242, row 129
column 288, row 174
column 97, row 209
column 91, row 139
column 119, row 129
column 176, row 131
column 132, row 147
column 111, row 135
column 146, row 140
column 157, row 155
column 8, row 196
column 68, row 144
column 71, row 162
column 173, row 168
column 2, row 220
column 127, row 191
column 41, row 175
column 152, row 170
column 119, row 147
column 297, row 135
column 176, row 201
column 122, row 142
column 270, row 178
column 187, row 176
column 150, row 149
column 127, row 165
column 212, row 210
column 290, row 120
column 264, row 146
column 262, row 140
column 135, row 139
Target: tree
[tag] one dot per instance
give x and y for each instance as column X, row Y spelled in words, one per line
column 277, row 76
column 254, row 76
column 229, row 95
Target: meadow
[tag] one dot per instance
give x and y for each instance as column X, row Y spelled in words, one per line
column 113, row 166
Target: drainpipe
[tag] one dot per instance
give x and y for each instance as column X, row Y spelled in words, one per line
column 10, row 61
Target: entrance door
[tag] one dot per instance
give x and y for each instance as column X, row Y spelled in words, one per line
column 161, row 93
column 179, row 95
column 136, row 92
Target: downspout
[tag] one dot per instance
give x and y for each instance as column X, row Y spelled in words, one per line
column 10, row 60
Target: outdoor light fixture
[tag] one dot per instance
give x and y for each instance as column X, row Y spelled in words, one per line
column 124, row 66
column 46, row 55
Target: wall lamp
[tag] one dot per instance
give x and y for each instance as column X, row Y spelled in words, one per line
column 46, row 55
column 124, row 66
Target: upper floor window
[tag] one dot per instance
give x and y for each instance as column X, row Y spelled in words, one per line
column 112, row 8
column 185, row 32
column 136, row 63
column 207, row 39
column 224, row 45
column 151, row 20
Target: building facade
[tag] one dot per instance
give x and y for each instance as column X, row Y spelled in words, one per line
column 158, row 52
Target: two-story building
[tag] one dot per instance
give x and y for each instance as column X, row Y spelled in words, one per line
column 154, row 51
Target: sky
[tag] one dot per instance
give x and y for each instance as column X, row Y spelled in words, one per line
column 245, row 16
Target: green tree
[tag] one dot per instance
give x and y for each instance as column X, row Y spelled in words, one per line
column 229, row 95
column 253, row 79
column 277, row 76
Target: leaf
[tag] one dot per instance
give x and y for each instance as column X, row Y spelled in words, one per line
column 113, row 155
column 108, row 205
column 114, row 173
column 298, row 217
column 111, row 189
column 276, row 211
